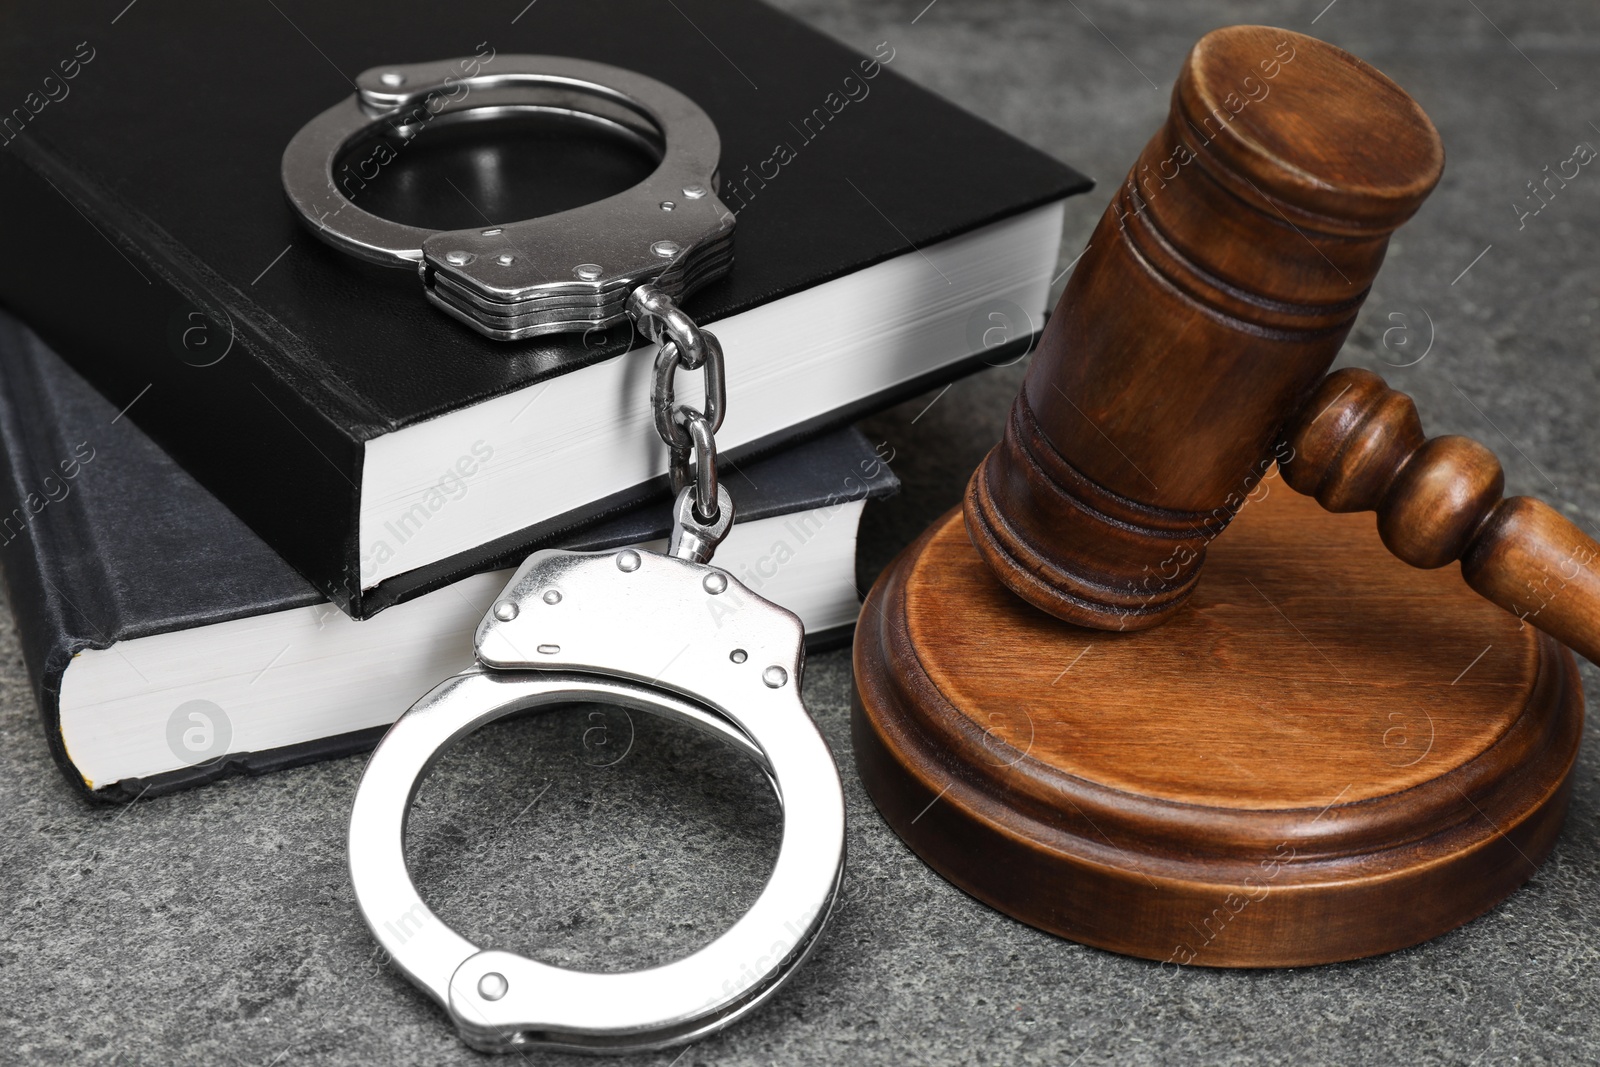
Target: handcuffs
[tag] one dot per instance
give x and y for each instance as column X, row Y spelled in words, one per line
column 667, row 634
column 558, row 273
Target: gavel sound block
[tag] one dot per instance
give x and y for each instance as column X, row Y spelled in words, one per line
column 1326, row 751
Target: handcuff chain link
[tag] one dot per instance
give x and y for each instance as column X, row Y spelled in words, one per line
column 688, row 432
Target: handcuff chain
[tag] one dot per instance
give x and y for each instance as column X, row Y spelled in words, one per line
column 689, row 433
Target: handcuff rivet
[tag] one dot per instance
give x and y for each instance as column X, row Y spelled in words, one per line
column 505, row 259
column 667, row 205
column 392, row 79
column 549, row 650
column 775, row 676
column 588, row 271
column 715, row 582
column 493, row 986
column 552, row 596
column 496, row 232
column 505, row 611
column 694, row 192
column 665, row 249
column 738, row 655
column 459, row 258
column 628, row 560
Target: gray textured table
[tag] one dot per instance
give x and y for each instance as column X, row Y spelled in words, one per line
column 217, row 926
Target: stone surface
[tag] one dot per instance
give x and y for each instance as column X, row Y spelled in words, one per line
column 217, row 927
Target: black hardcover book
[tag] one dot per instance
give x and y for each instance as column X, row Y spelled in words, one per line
column 383, row 448
column 168, row 645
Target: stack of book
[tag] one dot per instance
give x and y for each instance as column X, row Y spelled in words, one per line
column 256, row 494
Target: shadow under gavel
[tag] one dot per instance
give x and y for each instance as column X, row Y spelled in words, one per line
column 1187, row 356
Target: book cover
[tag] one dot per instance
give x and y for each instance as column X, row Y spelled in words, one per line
column 150, row 243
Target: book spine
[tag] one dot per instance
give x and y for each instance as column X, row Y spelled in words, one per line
column 37, row 507
column 190, row 360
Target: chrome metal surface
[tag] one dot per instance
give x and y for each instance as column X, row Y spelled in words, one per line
column 701, row 474
column 651, row 633
column 573, row 270
column 693, row 538
column 662, row 633
column 663, row 396
column 660, row 319
column 689, row 433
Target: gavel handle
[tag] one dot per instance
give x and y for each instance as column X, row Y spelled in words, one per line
column 1358, row 445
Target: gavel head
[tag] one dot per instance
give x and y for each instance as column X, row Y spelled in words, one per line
column 1216, row 290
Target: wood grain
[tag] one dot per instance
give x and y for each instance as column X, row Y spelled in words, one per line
column 1358, row 445
column 1215, row 292
column 1327, row 755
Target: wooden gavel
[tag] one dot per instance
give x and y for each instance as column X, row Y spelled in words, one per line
column 1187, row 355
